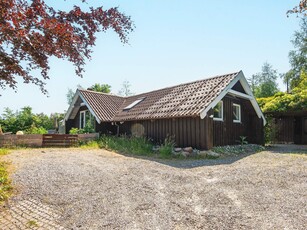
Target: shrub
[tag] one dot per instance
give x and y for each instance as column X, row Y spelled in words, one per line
column 74, row 131
column 167, row 147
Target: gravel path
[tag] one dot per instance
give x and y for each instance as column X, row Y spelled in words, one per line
column 98, row 189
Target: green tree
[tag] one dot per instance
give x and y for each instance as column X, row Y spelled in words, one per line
column 298, row 56
column 294, row 101
column 70, row 96
column 25, row 120
column 103, row 88
column 126, row 89
column 264, row 83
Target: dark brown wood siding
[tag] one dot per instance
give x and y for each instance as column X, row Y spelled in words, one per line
column 289, row 129
column 188, row 131
column 228, row 132
column 284, row 129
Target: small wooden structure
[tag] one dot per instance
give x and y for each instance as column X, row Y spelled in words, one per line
column 289, row 127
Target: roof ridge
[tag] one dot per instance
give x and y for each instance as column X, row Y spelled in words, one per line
column 182, row 84
column 107, row 94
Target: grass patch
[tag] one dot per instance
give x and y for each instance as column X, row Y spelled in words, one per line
column 32, row 224
column 4, row 152
column 128, row 145
column 166, row 149
column 230, row 150
column 5, row 182
column 90, row 145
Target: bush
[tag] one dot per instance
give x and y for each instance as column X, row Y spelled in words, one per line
column 75, row 131
column 36, row 130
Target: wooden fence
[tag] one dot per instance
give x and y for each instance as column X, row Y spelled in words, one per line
column 59, row 140
column 45, row 140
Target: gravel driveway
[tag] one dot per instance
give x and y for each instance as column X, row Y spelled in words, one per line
column 98, row 189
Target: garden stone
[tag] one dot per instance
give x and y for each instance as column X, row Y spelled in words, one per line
column 213, row 154
column 202, row 153
column 188, row 149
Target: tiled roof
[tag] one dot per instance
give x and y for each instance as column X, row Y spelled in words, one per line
column 104, row 105
column 178, row 101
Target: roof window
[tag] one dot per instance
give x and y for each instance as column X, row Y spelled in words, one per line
column 134, row 103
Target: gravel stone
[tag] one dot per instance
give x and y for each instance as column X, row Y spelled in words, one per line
column 98, row 189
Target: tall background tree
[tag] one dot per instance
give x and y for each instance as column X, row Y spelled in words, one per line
column 31, row 32
column 264, row 83
column 126, row 89
column 298, row 56
column 102, row 88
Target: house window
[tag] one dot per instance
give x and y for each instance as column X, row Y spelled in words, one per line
column 218, row 112
column 82, row 119
column 85, row 118
column 236, row 110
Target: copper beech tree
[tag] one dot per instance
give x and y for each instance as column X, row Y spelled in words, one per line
column 300, row 9
column 31, row 32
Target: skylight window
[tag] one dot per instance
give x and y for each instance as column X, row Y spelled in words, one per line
column 134, row 103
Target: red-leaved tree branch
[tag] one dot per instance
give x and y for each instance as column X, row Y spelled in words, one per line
column 300, row 9
column 31, row 32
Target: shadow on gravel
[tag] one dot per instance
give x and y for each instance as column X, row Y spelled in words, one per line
column 287, row 149
column 189, row 163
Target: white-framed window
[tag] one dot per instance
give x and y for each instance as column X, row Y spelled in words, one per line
column 236, row 110
column 218, row 112
column 85, row 118
column 82, row 119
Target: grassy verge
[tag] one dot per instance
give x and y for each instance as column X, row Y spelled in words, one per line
column 128, row 145
column 5, row 182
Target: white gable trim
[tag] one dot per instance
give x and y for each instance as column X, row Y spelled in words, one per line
column 239, row 94
column 90, row 108
column 72, row 105
column 228, row 89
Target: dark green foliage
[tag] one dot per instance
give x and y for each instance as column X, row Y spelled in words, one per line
column 103, row 88
column 25, row 120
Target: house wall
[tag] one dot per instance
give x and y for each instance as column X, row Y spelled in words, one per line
column 188, row 131
column 227, row 132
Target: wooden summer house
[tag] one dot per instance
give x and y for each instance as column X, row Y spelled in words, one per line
column 211, row 112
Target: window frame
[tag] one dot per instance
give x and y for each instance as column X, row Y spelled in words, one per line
column 221, row 112
column 234, row 105
column 82, row 113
